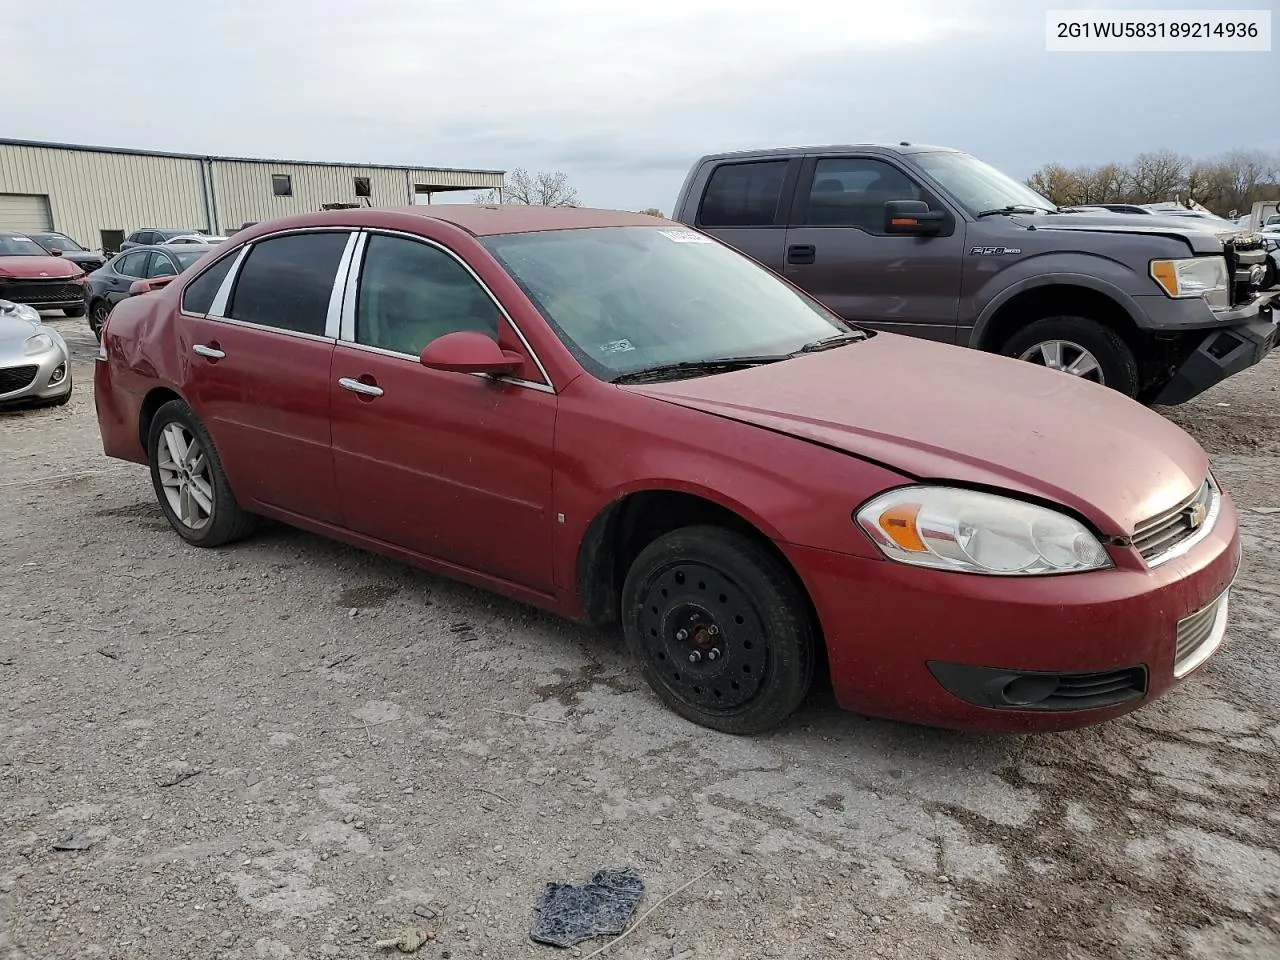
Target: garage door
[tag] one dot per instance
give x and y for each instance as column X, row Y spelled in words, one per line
column 25, row 211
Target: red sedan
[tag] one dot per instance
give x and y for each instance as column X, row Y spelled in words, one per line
column 619, row 419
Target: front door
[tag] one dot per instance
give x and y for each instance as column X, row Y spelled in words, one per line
column 260, row 374
column 453, row 466
column 839, row 251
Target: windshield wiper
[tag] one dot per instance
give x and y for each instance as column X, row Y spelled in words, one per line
column 697, row 368
column 1012, row 208
column 838, row 340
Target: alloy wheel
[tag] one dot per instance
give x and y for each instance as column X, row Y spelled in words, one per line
column 1067, row 357
column 185, row 476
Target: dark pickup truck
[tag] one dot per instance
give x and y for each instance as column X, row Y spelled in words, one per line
column 934, row 243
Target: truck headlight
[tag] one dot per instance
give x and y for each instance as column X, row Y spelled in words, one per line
column 1190, row 278
column 948, row 528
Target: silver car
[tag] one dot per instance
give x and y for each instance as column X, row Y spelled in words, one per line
column 35, row 366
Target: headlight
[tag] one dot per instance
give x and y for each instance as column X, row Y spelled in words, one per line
column 947, row 528
column 38, row 344
column 1190, row 278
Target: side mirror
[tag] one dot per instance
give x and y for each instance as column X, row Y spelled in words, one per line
column 148, row 286
column 468, row 351
column 912, row 218
column 55, row 252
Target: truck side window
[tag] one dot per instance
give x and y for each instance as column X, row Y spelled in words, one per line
column 743, row 194
column 852, row 192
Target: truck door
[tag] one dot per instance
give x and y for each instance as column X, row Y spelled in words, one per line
column 838, row 249
column 744, row 203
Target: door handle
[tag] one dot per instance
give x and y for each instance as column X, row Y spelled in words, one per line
column 356, row 386
column 213, row 353
column 801, row 253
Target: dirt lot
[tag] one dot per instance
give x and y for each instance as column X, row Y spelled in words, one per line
column 282, row 748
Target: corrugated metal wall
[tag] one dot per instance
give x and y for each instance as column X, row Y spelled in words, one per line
column 89, row 192
column 244, row 192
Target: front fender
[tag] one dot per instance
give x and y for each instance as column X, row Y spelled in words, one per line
column 1099, row 274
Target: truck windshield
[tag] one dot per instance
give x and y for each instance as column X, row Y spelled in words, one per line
column 627, row 299
column 978, row 186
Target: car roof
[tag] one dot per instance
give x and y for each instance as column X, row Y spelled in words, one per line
column 786, row 152
column 478, row 220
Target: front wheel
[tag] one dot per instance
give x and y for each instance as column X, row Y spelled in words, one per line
column 189, row 480
column 721, row 629
column 1080, row 347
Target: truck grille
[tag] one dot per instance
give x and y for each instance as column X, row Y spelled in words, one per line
column 1158, row 538
column 16, row 378
column 1243, row 252
column 1199, row 635
column 41, row 291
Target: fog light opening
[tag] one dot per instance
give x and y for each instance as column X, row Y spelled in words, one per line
column 1024, row 691
column 59, row 374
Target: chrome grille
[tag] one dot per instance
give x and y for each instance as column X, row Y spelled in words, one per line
column 1199, row 635
column 1159, row 537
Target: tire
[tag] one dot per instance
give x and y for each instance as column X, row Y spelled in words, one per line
column 1268, row 276
column 223, row 521
column 74, row 311
column 698, row 579
column 1116, row 366
column 99, row 310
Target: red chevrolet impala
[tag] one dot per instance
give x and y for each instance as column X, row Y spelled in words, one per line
column 619, row 419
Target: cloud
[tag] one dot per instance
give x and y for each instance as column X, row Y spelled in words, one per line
column 623, row 97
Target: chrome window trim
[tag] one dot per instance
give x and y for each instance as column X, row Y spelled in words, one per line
column 219, row 306
column 231, row 321
column 409, row 358
column 333, row 317
column 348, row 326
column 1183, row 547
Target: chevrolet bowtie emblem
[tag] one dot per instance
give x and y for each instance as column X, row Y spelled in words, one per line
column 1198, row 513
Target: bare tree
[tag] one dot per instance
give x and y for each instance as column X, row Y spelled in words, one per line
column 1159, row 176
column 545, row 188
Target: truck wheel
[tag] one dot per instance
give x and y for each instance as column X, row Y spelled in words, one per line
column 1269, row 277
column 1080, row 347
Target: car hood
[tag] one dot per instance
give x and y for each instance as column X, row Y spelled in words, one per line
column 1203, row 236
column 14, row 331
column 38, row 268
column 944, row 413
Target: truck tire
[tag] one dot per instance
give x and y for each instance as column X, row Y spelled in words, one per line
column 1078, row 346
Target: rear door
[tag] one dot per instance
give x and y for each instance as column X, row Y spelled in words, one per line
column 839, row 250
column 745, row 205
column 259, row 369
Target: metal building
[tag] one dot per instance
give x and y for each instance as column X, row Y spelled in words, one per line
column 99, row 195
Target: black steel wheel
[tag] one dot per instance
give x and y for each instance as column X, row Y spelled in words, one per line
column 720, row 628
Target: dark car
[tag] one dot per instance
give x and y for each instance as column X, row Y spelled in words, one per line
column 86, row 260
column 32, row 275
column 617, row 418
column 934, row 243
column 152, row 235
column 110, row 284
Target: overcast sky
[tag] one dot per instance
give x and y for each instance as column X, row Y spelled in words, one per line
column 622, row 96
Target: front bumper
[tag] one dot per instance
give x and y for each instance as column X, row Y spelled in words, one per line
column 39, row 378
column 1224, row 352
column 928, row 646
column 58, row 294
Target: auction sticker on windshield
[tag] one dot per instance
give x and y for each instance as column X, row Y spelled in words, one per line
column 684, row 236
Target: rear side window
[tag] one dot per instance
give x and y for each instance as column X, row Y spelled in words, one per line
column 286, row 282
column 743, row 194
column 198, row 297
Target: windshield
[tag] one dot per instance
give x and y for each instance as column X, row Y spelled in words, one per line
column 16, row 245
column 978, row 186
column 57, row 240
column 186, row 258
column 625, row 299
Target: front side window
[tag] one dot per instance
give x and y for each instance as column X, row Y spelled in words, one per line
column 743, row 194
column 411, row 293
column 852, row 192
column 133, row 265
column 281, row 185
column 286, row 281
column 198, row 297
column 625, row 299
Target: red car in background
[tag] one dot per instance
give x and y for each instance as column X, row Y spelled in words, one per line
column 32, row 275
column 616, row 418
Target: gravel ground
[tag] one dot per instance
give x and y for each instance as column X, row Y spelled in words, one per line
column 283, row 748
